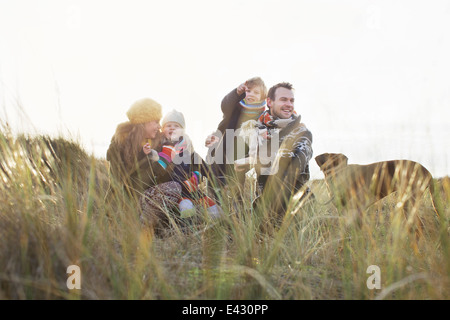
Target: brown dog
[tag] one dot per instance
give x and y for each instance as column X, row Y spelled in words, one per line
column 358, row 186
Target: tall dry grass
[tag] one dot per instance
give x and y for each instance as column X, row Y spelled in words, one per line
column 54, row 213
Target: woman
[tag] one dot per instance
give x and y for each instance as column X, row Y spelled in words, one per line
column 145, row 176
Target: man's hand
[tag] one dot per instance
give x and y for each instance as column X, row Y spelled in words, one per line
column 211, row 140
column 264, row 134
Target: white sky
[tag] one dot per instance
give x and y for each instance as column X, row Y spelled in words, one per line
column 372, row 78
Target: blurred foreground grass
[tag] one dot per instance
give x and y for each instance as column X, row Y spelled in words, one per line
column 53, row 214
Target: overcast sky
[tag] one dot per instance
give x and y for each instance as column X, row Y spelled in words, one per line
column 372, row 78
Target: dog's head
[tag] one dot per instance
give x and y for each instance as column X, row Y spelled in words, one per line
column 328, row 162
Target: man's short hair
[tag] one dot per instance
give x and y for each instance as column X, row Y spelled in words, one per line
column 271, row 93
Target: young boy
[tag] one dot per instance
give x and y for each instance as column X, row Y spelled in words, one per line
column 246, row 102
column 188, row 169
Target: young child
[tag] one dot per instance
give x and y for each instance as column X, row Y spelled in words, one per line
column 188, row 168
column 246, row 102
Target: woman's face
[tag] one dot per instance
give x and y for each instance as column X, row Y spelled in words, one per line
column 151, row 129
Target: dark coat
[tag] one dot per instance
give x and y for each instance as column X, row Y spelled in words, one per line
column 232, row 111
column 188, row 162
column 145, row 173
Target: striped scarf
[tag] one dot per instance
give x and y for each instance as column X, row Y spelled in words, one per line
column 252, row 109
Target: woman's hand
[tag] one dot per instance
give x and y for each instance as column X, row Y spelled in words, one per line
column 147, row 148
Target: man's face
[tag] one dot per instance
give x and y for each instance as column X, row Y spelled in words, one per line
column 283, row 105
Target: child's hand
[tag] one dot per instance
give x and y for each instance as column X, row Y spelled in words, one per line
column 241, row 89
column 176, row 134
column 147, row 148
column 211, row 140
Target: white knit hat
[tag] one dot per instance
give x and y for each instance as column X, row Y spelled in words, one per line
column 173, row 116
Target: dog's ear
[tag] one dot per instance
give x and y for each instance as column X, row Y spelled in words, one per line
column 328, row 161
column 342, row 158
column 321, row 159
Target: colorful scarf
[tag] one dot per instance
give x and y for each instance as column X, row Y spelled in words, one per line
column 252, row 109
column 269, row 121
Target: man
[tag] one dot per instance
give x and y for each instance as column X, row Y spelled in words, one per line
column 288, row 169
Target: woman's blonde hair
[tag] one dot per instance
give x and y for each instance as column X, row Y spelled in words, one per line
column 129, row 138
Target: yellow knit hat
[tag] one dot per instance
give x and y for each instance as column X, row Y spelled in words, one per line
column 144, row 110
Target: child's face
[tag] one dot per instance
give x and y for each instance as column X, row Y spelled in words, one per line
column 170, row 128
column 253, row 95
